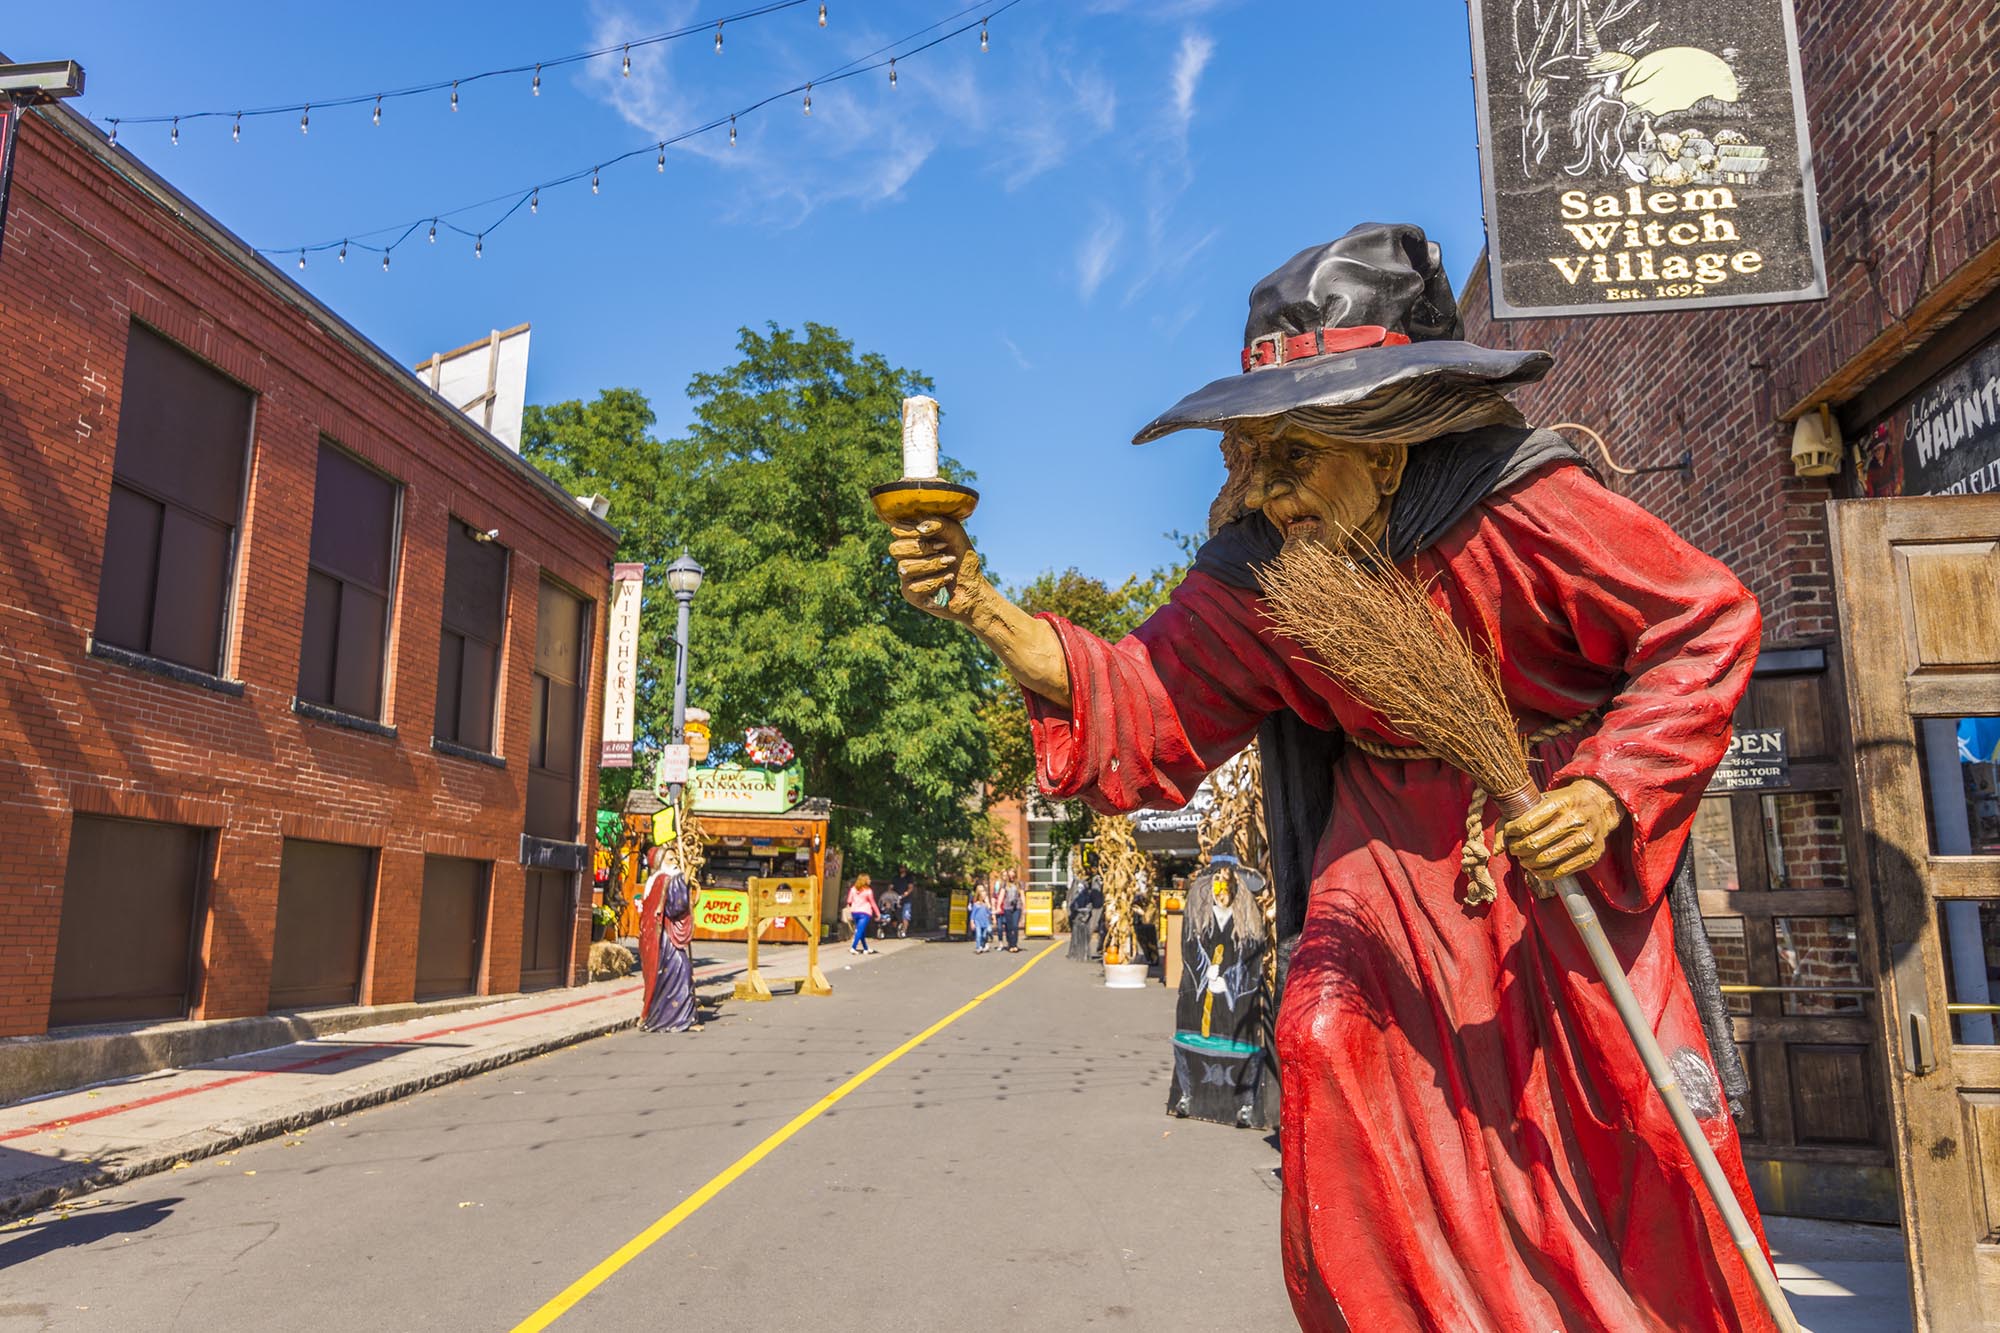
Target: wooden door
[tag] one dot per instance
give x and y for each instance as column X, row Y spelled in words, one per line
column 131, row 907
column 326, row 895
column 1918, row 582
column 1775, row 865
column 547, row 925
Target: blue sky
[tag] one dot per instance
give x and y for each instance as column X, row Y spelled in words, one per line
column 1062, row 231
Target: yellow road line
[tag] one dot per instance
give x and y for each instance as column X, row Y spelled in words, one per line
column 640, row 1243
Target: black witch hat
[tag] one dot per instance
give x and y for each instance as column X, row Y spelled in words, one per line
column 1338, row 322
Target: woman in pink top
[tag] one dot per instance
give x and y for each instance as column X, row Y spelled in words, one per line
column 861, row 907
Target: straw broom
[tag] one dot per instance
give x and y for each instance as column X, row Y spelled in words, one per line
column 1376, row 632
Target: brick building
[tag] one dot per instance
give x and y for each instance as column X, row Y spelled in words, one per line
column 1906, row 142
column 296, row 662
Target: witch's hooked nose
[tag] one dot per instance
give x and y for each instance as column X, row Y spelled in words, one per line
column 1267, row 482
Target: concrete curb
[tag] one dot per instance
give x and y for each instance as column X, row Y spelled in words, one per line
column 31, row 1194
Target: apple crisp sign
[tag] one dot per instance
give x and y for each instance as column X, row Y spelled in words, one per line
column 1643, row 156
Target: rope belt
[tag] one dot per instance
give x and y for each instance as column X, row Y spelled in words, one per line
column 1480, row 888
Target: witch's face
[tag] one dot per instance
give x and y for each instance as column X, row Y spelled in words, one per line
column 1313, row 488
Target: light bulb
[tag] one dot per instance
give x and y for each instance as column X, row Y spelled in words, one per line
column 822, row 13
column 378, row 111
column 302, row 259
column 718, row 37
column 627, row 71
column 535, row 201
column 175, row 136
column 114, row 134
column 434, row 231
column 809, row 99
column 479, row 246
column 663, row 159
column 305, row 117
column 385, row 261
column 732, row 131
column 454, row 94
column 343, row 252
column 982, row 36
column 236, row 130
column 892, row 71
column 593, row 180
column 536, row 88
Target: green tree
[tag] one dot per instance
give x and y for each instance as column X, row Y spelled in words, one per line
column 800, row 623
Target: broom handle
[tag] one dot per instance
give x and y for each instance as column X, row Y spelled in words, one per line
column 1584, row 917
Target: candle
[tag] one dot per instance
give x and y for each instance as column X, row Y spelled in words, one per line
column 920, row 438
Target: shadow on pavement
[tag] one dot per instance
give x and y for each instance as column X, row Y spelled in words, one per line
column 48, row 1233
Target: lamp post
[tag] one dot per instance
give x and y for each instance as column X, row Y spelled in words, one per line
column 684, row 580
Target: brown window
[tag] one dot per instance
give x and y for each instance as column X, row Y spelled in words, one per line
column 348, row 581
column 325, row 895
column 131, row 896
column 555, row 729
column 176, row 493
column 475, row 617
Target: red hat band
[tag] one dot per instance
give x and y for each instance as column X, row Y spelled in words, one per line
column 1279, row 349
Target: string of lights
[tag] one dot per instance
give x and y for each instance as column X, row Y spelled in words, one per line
column 303, row 110
column 884, row 57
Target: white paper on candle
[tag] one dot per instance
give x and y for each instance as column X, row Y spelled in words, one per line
column 920, row 438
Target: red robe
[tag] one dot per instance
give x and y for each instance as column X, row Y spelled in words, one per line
column 1470, row 1142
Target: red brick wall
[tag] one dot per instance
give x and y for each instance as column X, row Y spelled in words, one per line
column 1901, row 99
column 86, row 253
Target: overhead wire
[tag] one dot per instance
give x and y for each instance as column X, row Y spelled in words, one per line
column 305, row 107
column 529, row 196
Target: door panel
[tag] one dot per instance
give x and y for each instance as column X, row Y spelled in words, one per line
column 125, row 949
column 325, row 894
column 1916, row 583
column 451, row 927
column 545, row 929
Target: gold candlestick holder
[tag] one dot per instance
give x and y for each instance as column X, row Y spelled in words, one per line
column 914, row 499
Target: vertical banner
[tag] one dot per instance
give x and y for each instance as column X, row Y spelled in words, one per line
column 1643, row 155
column 10, row 121
column 621, row 666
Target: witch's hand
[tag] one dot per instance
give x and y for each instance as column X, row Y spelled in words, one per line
column 1563, row 833
column 936, row 554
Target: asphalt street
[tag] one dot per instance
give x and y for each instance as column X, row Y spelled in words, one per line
column 1013, row 1170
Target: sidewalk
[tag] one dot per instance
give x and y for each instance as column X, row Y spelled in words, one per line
column 70, row 1143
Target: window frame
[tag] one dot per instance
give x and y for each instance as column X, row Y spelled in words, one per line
column 490, row 746
column 227, row 614
column 388, row 593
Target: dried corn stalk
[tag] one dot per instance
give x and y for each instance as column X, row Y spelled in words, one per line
column 1119, row 863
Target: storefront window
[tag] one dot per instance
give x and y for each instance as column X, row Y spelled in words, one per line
column 1820, row 952
column 1961, row 761
column 1804, row 840
column 1969, row 932
column 1712, row 844
column 1732, row 958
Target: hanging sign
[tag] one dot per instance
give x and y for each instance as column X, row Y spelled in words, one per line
column 1757, row 759
column 1946, row 439
column 673, row 764
column 1643, row 156
column 621, row 666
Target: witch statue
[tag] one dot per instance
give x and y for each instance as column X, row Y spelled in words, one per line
column 1219, row 1018
column 666, row 945
column 1470, row 1140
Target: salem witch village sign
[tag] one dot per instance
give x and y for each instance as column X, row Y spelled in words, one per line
column 1643, row 155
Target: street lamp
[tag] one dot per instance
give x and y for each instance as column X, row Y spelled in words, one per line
column 684, row 581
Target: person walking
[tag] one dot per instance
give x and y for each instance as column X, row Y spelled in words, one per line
column 861, row 909
column 1010, row 908
column 981, row 916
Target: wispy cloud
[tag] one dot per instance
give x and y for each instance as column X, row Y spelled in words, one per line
column 1189, row 62
column 1098, row 253
column 1014, row 349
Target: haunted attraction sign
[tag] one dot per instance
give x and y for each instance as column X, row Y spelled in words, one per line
column 1643, row 155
